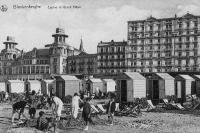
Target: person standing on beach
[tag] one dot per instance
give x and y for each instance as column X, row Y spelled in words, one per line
column 75, row 105
column 58, row 106
column 86, row 114
column 111, row 109
column 33, row 104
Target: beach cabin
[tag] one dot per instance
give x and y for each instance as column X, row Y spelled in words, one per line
column 183, row 86
column 94, row 85
column 159, row 85
column 2, row 86
column 67, row 85
column 33, row 85
column 14, row 86
column 130, row 85
column 109, row 85
column 47, row 87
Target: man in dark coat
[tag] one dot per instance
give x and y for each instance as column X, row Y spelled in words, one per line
column 86, row 114
column 111, row 109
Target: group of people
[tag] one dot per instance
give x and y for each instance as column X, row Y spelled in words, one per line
column 86, row 109
column 56, row 104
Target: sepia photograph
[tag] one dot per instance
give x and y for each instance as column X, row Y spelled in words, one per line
column 99, row 66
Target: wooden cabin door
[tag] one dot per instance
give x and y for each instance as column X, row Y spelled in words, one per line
column 155, row 89
column 123, row 90
column 8, row 88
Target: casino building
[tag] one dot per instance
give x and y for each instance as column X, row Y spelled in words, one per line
column 38, row 63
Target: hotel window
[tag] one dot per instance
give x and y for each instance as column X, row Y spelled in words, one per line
column 142, row 27
column 42, row 69
column 187, row 38
column 188, row 25
column 37, row 69
column 112, row 49
column 118, row 49
column 180, row 25
column 150, row 40
column 24, row 70
column 195, row 24
column 32, row 69
column 28, row 70
column 179, row 54
column 180, row 39
column 55, row 60
column 151, row 27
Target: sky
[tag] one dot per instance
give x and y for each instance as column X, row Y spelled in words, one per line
column 94, row 21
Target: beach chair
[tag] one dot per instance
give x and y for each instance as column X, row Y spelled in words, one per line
column 100, row 106
column 179, row 106
column 166, row 102
column 94, row 110
column 150, row 104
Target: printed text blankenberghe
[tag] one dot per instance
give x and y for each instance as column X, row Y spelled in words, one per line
column 26, row 6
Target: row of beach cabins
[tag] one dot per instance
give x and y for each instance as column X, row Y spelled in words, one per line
column 127, row 86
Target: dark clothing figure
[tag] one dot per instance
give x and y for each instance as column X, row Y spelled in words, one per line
column 33, row 105
column 110, row 111
column 111, row 107
column 45, row 124
column 18, row 107
column 86, row 114
column 42, row 123
column 86, row 111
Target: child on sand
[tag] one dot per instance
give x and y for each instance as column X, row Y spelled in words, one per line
column 44, row 124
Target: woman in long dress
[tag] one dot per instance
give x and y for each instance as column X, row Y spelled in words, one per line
column 75, row 105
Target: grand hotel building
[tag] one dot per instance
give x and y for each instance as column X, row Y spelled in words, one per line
column 164, row 45
column 154, row 45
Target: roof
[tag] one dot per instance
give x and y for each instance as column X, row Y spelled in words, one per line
column 187, row 15
column 165, row 76
column 68, row 77
column 82, row 55
column 33, row 81
column 48, row 81
column 186, row 77
column 134, row 75
column 112, row 43
column 95, row 80
column 108, row 80
column 197, row 76
column 43, row 51
column 14, row 81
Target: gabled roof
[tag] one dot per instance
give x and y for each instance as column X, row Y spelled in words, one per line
column 15, row 81
column 33, row 81
column 68, row 77
column 95, row 80
column 43, row 51
column 134, row 75
column 108, row 80
column 165, row 76
column 197, row 76
column 188, row 15
column 48, row 81
column 186, row 77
